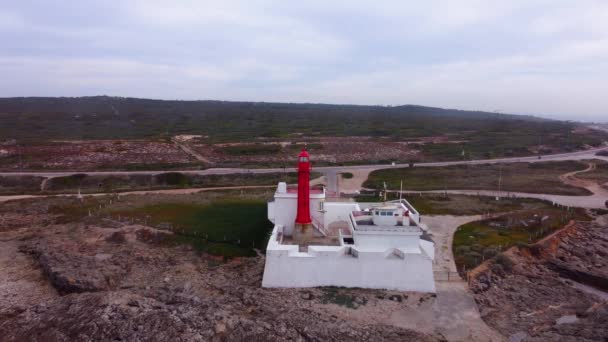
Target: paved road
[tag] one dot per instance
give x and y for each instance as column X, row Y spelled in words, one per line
column 586, row 154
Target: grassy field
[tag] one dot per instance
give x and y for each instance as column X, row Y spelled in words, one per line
column 221, row 223
column 19, row 185
column 542, row 177
column 440, row 204
column 476, row 241
column 228, row 227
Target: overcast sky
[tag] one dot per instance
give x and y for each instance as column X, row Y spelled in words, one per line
column 546, row 57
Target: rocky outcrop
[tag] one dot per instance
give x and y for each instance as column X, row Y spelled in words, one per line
column 125, row 284
column 163, row 314
column 549, row 291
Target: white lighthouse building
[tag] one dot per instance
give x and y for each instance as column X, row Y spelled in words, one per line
column 317, row 242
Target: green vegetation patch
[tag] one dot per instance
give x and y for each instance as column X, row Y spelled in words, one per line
column 451, row 204
column 12, row 185
column 603, row 153
column 342, row 296
column 541, row 177
column 229, row 223
column 227, row 227
column 347, row 175
column 476, row 241
column 438, row 204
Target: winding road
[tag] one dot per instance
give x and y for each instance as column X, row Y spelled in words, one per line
column 578, row 155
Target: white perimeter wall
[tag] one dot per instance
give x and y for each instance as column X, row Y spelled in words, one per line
column 377, row 239
column 333, row 266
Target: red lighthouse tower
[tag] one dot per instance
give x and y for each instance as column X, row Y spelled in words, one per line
column 304, row 167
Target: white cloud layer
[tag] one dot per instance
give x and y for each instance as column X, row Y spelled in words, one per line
column 546, row 57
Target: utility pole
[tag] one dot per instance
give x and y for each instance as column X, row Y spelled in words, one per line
column 499, row 180
column 385, row 191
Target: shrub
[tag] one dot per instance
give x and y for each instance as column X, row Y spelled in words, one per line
column 172, row 178
column 504, row 261
column 462, row 249
column 477, row 248
column 497, row 269
column 490, row 252
column 347, row 175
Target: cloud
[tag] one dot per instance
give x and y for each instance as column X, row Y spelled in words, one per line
column 527, row 56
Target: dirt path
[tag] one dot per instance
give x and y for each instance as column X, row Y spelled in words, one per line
column 454, row 313
column 191, row 152
column 571, row 179
column 354, row 184
column 442, row 229
column 43, row 183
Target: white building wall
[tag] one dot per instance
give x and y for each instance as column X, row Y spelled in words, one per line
column 378, row 240
column 405, row 270
column 271, row 215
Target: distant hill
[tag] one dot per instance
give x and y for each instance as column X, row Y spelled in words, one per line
column 103, row 117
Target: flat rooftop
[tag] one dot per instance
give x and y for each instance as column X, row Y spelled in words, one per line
column 366, row 223
column 317, row 241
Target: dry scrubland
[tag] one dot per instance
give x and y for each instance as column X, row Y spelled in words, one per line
column 94, row 155
column 125, row 133
column 327, row 150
